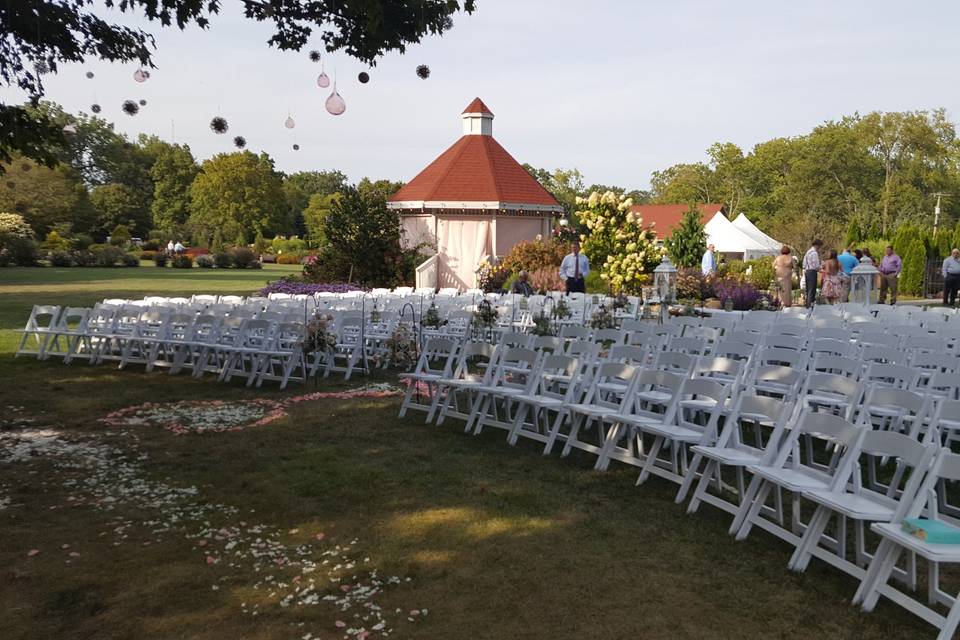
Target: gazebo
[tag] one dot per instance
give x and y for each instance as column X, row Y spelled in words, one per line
column 474, row 202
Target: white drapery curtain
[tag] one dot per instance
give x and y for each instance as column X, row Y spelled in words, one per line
column 463, row 242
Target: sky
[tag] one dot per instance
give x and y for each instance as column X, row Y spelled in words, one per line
column 615, row 89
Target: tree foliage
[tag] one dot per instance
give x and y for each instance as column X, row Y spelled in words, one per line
column 238, row 193
column 860, row 177
column 118, row 204
column 315, row 217
column 53, row 32
column 173, row 173
column 363, row 240
column 688, row 242
column 914, row 265
column 45, row 196
column 16, row 240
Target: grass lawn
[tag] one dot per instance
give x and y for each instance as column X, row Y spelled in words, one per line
column 387, row 517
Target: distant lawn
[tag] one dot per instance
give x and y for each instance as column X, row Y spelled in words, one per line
column 21, row 288
column 497, row 542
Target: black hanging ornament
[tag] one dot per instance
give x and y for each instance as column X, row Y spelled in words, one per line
column 314, row 56
column 89, row 75
column 219, row 125
column 240, row 142
column 11, row 184
column 296, row 147
column 95, row 108
column 25, row 166
column 143, row 102
column 130, row 107
column 423, row 71
column 363, row 77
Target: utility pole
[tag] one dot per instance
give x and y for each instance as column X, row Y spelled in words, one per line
column 936, row 209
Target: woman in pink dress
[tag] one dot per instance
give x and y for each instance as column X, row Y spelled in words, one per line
column 832, row 288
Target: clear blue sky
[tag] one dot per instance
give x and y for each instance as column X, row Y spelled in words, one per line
column 616, row 89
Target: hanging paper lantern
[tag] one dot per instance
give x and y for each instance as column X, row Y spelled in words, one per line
column 69, row 129
column 89, row 75
column 315, row 56
column 335, row 104
column 140, row 75
column 296, row 147
column 219, row 125
column 240, row 142
column 423, row 71
column 95, row 108
column 363, row 77
column 289, row 123
column 130, row 107
column 143, row 102
column 323, row 80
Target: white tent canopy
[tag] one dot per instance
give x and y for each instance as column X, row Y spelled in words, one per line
column 730, row 239
column 743, row 223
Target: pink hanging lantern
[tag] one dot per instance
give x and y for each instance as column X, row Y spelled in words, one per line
column 335, row 103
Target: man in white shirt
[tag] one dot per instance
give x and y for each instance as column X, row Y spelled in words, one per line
column 179, row 248
column 811, row 269
column 170, row 247
column 708, row 265
column 574, row 269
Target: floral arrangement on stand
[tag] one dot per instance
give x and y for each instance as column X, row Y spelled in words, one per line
column 432, row 318
column 485, row 317
column 401, row 347
column 602, row 318
column 375, row 315
column 621, row 302
column 542, row 325
column 318, row 336
column 491, row 277
column 561, row 310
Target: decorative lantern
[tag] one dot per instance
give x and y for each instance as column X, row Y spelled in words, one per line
column 862, row 280
column 665, row 283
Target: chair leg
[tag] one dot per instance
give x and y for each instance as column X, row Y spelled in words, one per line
column 884, row 560
column 554, row 432
column 811, row 539
column 688, row 480
column 750, row 506
column 650, row 460
column 712, row 467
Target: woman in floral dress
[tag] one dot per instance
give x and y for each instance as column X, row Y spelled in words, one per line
column 832, row 288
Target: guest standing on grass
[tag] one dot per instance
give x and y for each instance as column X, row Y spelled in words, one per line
column 951, row 278
column 890, row 268
column 783, row 267
column 708, row 264
column 170, row 247
column 811, row 267
column 574, row 269
column 847, row 262
column 832, row 287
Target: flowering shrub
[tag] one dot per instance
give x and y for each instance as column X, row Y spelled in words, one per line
column 16, row 240
column 491, row 277
column 692, row 284
column 546, row 279
column 743, row 295
column 536, row 255
column 295, row 286
column 617, row 241
column 205, row 261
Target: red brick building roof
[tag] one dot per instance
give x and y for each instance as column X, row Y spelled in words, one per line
column 664, row 217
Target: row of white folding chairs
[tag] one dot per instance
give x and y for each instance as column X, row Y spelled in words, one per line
column 786, row 462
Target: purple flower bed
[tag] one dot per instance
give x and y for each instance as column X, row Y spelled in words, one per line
column 743, row 295
column 294, row 287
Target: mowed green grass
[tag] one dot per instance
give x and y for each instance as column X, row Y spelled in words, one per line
column 500, row 542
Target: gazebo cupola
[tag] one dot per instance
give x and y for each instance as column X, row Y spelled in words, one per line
column 477, row 119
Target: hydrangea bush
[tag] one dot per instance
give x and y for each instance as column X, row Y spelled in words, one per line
column 16, row 240
column 617, row 242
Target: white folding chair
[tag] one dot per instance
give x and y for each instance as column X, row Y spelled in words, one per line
column 40, row 327
column 435, row 363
